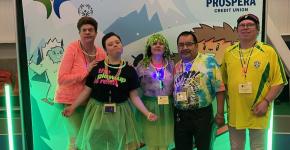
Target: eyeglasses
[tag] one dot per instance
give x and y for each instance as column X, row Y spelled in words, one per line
column 250, row 25
column 187, row 44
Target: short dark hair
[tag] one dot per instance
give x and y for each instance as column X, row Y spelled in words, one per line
column 107, row 36
column 186, row 33
column 87, row 20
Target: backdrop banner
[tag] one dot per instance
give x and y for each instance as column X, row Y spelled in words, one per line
column 50, row 25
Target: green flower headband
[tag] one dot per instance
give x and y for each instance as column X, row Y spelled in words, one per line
column 154, row 39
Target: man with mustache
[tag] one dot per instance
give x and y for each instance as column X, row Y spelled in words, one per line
column 197, row 82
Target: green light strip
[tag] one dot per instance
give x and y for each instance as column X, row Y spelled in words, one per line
column 9, row 116
column 270, row 130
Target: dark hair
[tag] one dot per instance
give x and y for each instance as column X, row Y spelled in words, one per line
column 107, row 36
column 87, row 20
column 252, row 17
column 186, row 33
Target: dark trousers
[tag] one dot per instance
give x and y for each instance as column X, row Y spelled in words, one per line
column 193, row 123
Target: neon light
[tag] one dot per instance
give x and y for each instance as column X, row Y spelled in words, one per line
column 9, row 116
column 270, row 131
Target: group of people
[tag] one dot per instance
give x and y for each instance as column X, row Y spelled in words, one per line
column 174, row 101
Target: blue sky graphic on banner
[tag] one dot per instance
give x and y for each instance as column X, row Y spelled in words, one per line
column 50, row 25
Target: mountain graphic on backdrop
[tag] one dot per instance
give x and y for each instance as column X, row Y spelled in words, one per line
column 135, row 25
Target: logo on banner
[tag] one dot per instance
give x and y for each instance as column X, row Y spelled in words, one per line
column 48, row 5
column 85, row 10
column 222, row 6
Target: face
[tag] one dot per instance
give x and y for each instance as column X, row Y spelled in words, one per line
column 247, row 30
column 187, row 48
column 215, row 47
column 87, row 33
column 157, row 48
column 114, row 47
column 55, row 54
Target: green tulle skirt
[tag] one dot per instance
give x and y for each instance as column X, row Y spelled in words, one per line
column 160, row 132
column 108, row 131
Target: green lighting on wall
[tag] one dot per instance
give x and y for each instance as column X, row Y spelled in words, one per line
column 9, row 116
column 270, row 131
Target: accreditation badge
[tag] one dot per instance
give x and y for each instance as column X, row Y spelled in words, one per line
column 181, row 96
column 245, row 88
column 163, row 100
column 110, row 107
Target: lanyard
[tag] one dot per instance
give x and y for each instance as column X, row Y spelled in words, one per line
column 160, row 74
column 244, row 63
column 187, row 67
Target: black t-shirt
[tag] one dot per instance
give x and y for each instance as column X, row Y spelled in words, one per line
column 103, row 84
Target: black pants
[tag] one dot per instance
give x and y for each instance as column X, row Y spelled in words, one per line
column 193, row 123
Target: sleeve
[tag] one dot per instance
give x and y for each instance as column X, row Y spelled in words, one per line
column 64, row 74
column 277, row 73
column 217, row 81
column 223, row 70
column 133, row 81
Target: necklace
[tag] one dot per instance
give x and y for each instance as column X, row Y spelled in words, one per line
column 122, row 64
column 85, row 51
column 106, row 71
column 164, row 66
column 159, row 74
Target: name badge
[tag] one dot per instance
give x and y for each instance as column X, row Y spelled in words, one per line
column 163, row 100
column 110, row 108
column 245, row 88
column 181, row 97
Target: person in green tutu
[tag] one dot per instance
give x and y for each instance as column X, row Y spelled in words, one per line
column 156, row 76
column 108, row 122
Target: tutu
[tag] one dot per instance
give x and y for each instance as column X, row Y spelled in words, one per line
column 160, row 132
column 108, row 131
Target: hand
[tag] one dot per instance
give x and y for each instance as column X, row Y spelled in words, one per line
column 220, row 120
column 92, row 64
column 261, row 109
column 68, row 111
column 152, row 117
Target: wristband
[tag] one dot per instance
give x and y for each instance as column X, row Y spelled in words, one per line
column 267, row 100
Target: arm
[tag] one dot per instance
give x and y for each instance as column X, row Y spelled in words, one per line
column 220, row 96
column 219, row 118
column 85, row 94
column 277, row 81
column 262, row 108
column 140, row 106
column 64, row 74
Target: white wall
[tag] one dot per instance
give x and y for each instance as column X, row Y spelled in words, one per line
column 7, row 23
column 279, row 11
column 7, row 29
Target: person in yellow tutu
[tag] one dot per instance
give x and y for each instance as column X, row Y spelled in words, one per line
column 156, row 76
column 108, row 122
